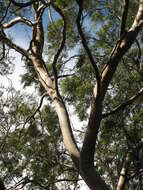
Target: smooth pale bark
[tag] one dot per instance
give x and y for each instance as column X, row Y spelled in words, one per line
column 67, row 131
column 126, row 165
column 123, row 174
column 48, row 84
column 60, row 109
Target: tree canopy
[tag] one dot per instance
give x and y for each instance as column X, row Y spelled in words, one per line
column 84, row 56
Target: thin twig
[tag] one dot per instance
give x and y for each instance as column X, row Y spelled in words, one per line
column 3, row 52
column 38, row 108
column 2, row 19
column 12, row 45
column 66, row 75
column 72, row 57
column 33, row 114
column 61, row 180
column 123, row 105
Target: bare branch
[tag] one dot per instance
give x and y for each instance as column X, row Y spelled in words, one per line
column 121, row 47
column 138, row 21
column 22, row 5
column 33, row 114
column 37, row 42
column 12, row 45
column 15, row 21
column 51, row 19
column 72, row 57
column 67, row 75
column 38, row 109
column 124, row 17
column 124, row 171
column 139, row 54
column 137, row 60
column 125, row 104
column 61, row 180
column 126, row 164
column 2, row 19
column 139, row 49
column 3, row 52
column 84, row 42
column 88, row 148
column 61, row 45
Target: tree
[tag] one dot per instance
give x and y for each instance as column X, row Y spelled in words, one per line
column 109, row 47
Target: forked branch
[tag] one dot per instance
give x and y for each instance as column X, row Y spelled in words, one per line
column 123, row 46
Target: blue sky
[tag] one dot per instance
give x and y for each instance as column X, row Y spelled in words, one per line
column 21, row 35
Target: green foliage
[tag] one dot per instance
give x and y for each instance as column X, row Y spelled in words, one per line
column 31, row 148
column 78, row 88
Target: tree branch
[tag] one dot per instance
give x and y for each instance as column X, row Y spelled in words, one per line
column 15, row 21
column 70, row 58
column 126, row 164
column 138, row 60
column 61, row 180
column 124, row 18
column 139, row 49
column 138, row 21
column 124, row 171
column 2, row 19
column 51, row 19
column 122, row 47
column 12, row 45
column 125, row 104
column 3, row 52
column 84, row 42
column 37, row 42
column 33, row 114
column 66, row 75
column 22, row 5
column 61, row 45
column 88, row 171
column 38, row 109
